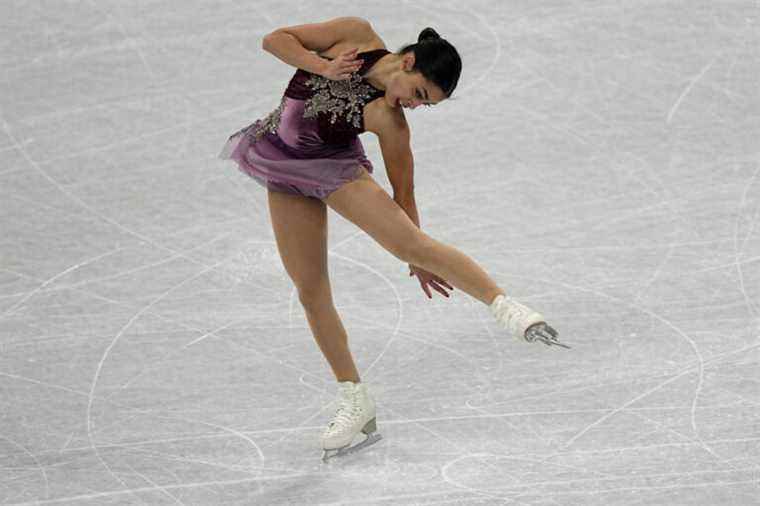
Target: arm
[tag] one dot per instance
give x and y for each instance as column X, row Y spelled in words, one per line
column 410, row 208
column 394, row 136
column 294, row 44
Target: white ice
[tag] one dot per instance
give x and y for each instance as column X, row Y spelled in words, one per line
column 601, row 161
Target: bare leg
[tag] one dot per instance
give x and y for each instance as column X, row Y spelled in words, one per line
column 368, row 206
column 300, row 228
column 332, row 339
column 458, row 270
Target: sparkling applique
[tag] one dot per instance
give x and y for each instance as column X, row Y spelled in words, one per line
column 346, row 96
column 268, row 124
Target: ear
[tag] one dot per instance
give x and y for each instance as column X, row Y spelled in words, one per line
column 409, row 61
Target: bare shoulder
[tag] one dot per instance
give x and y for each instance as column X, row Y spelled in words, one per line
column 382, row 119
column 361, row 35
column 366, row 38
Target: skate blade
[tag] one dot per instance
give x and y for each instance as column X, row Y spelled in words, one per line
column 348, row 450
column 557, row 343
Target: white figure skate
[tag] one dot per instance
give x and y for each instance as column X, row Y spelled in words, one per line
column 355, row 413
column 523, row 322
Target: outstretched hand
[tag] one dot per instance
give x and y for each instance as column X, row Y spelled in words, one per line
column 428, row 278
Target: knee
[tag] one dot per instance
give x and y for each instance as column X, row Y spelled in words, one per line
column 314, row 296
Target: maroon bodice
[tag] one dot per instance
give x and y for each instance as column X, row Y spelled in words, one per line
column 337, row 106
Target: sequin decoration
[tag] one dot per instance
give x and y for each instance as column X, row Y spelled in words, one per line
column 346, row 96
column 268, row 124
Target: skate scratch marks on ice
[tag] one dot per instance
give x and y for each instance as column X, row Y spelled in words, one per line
column 688, row 88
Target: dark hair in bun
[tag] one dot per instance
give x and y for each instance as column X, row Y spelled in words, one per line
column 436, row 59
column 428, row 33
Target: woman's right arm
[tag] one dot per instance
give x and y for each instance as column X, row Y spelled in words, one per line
column 294, row 44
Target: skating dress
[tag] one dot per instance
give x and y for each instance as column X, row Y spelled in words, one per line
column 309, row 145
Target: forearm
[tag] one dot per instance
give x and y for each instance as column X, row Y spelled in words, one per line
column 289, row 49
column 410, row 208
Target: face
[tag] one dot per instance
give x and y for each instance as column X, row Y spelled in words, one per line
column 410, row 89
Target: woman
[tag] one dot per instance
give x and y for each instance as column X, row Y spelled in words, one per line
column 308, row 155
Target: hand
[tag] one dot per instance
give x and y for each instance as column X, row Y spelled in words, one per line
column 343, row 66
column 426, row 278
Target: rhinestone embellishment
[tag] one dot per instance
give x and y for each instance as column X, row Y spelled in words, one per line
column 346, row 96
column 268, row 124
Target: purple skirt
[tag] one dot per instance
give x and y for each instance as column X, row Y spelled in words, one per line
column 283, row 152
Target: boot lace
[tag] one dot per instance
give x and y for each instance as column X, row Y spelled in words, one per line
column 510, row 313
column 347, row 412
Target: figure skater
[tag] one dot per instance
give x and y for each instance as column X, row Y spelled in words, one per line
column 308, row 155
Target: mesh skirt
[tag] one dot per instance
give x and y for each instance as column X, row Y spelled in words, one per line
column 284, row 153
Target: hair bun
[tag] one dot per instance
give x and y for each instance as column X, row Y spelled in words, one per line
column 428, row 34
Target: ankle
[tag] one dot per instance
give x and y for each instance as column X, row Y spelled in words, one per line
column 492, row 296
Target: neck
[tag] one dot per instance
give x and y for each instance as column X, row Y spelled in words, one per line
column 380, row 73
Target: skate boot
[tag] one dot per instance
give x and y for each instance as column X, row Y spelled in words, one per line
column 522, row 322
column 355, row 413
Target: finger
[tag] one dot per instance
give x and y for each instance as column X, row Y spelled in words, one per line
column 443, row 281
column 441, row 290
column 345, row 69
column 426, row 290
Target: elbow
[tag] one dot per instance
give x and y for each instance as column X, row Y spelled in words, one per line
column 266, row 42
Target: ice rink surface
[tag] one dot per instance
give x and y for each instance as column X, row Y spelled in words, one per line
column 601, row 162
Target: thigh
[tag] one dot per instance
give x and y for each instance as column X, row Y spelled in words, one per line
column 300, row 229
column 367, row 205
